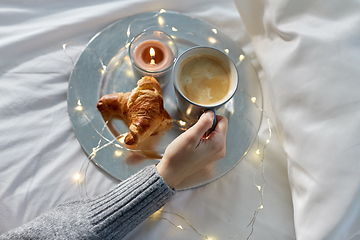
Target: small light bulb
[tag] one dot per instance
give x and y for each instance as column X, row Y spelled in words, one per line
column 94, row 152
column 259, row 187
column 162, row 10
column 79, row 107
column 103, row 70
column 214, row 30
column 180, row 227
column 174, row 29
column 241, row 57
column 261, row 206
column 157, row 214
column 253, row 99
column 161, row 21
column 212, row 40
column 227, row 51
column 182, row 123
column 258, row 151
column 118, row 153
column 77, row 177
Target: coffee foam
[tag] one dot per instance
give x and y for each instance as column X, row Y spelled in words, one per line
column 203, row 79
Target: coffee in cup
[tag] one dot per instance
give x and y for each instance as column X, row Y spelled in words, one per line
column 204, row 79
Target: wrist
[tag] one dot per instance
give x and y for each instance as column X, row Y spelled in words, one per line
column 169, row 177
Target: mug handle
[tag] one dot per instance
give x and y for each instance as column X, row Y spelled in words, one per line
column 207, row 133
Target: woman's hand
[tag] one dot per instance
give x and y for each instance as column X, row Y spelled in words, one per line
column 191, row 151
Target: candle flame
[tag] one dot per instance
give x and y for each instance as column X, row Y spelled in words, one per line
column 152, row 52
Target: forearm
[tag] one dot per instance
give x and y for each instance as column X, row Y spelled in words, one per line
column 113, row 214
column 139, row 196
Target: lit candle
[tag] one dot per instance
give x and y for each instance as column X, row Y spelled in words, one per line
column 153, row 53
column 153, row 56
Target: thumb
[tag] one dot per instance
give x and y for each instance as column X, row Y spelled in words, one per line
column 205, row 123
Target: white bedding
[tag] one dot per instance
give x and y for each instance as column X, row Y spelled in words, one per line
column 311, row 94
column 310, row 51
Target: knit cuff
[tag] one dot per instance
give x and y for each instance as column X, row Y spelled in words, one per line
column 117, row 212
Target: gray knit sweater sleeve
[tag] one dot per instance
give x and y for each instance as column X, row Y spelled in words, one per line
column 109, row 216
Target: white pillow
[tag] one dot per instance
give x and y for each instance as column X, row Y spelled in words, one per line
column 310, row 51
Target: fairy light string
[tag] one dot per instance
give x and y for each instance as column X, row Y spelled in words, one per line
column 105, row 142
column 260, row 187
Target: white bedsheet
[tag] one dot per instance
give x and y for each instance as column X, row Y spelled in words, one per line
column 40, row 155
column 310, row 51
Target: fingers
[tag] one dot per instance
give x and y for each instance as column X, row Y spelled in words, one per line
column 220, row 129
column 222, row 125
column 190, row 152
column 217, row 138
column 205, row 122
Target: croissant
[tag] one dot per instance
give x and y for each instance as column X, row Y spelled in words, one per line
column 142, row 109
